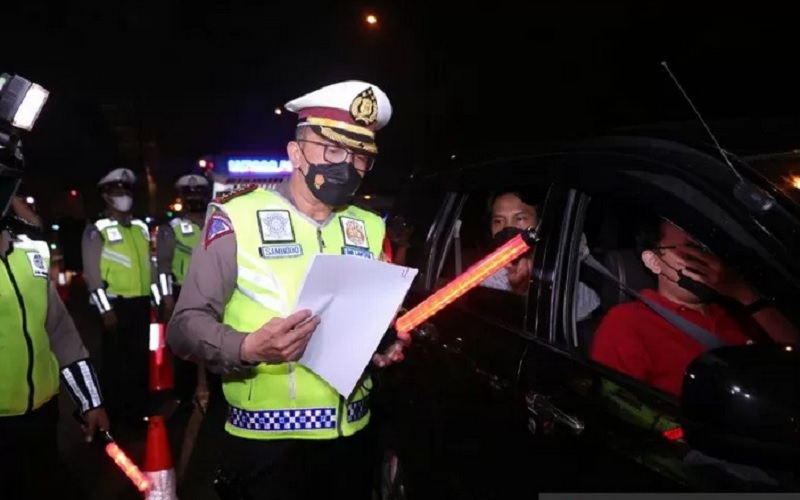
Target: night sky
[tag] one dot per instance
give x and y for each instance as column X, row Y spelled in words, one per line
column 184, row 79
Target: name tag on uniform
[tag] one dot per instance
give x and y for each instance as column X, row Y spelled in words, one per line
column 186, row 228
column 358, row 252
column 37, row 264
column 280, row 251
column 114, row 236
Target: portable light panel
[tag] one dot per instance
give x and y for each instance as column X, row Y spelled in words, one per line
column 21, row 101
column 468, row 280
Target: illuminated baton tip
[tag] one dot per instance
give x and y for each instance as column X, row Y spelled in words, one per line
column 127, row 467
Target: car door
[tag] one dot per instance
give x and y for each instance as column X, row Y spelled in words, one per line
column 463, row 383
column 630, row 437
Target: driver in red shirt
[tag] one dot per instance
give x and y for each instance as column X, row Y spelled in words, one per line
column 635, row 340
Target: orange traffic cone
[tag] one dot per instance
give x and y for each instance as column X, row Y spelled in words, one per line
column 158, row 468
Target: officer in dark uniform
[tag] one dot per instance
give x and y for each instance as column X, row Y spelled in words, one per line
column 175, row 243
column 39, row 345
column 118, row 271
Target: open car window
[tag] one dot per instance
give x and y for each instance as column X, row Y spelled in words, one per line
column 484, row 219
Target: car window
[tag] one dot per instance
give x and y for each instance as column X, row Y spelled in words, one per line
column 485, row 219
column 651, row 254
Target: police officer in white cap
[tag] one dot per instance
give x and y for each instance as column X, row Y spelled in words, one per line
column 118, row 273
column 175, row 243
column 289, row 433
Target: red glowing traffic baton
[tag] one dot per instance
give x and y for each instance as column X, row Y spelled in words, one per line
column 467, row 280
column 119, row 457
column 127, row 466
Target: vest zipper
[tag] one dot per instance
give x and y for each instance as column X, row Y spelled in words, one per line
column 320, row 241
column 292, row 386
column 28, row 340
column 339, row 416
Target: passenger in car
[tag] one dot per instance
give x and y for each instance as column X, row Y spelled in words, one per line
column 637, row 341
column 510, row 214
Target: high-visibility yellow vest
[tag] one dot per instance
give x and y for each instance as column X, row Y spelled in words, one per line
column 275, row 246
column 125, row 261
column 187, row 235
column 29, row 370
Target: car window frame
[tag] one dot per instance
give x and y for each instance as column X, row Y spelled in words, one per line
column 465, row 183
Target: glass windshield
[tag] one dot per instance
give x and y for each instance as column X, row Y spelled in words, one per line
column 782, row 170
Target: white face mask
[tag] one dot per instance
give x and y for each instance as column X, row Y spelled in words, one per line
column 122, row 203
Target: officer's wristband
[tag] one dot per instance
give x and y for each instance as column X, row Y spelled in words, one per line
column 100, row 299
column 80, row 380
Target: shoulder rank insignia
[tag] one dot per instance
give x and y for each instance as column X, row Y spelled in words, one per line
column 235, row 193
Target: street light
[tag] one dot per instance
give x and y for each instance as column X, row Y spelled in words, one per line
column 371, row 19
column 29, row 200
column 177, row 207
column 278, row 111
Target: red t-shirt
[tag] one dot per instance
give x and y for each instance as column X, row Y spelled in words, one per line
column 635, row 340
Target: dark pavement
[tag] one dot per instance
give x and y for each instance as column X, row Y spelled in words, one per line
column 92, row 473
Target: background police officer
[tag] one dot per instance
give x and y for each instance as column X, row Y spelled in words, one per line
column 176, row 240
column 118, row 272
column 38, row 343
column 290, row 434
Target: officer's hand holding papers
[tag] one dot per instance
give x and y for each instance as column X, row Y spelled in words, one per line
column 356, row 300
column 280, row 339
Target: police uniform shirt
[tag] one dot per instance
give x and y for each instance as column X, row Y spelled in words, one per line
column 66, row 343
column 196, row 330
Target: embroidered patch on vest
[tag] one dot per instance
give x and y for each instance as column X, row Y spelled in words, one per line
column 187, row 228
column 235, row 193
column 37, row 264
column 114, row 236
column 354, row 232
column 358, row 252
column 217, row 227
column 275, row 226
column 280, row 251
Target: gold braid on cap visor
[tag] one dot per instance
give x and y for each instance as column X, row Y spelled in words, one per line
column 328, row 133
column 326, row 122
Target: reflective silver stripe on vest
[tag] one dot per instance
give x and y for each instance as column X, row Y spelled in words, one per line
column 117, row 257
column 265, row 279
column 294, row 419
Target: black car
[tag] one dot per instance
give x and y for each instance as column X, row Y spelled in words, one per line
column 498, row 394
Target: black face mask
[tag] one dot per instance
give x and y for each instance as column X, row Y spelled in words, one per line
column 505, row 235
column 703, row 292
column 339, row 182
column 196, row 206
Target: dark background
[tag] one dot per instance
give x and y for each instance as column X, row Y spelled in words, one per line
column 163, row 82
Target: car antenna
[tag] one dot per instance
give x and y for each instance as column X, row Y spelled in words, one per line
column 752, row 196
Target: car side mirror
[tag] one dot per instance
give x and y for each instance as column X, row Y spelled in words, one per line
column 742, row 404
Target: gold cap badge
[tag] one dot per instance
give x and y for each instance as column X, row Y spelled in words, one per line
column 364, row 108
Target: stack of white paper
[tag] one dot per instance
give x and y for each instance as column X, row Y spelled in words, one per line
column 356, row 300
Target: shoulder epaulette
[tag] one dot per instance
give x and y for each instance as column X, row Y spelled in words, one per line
column 236, row 193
